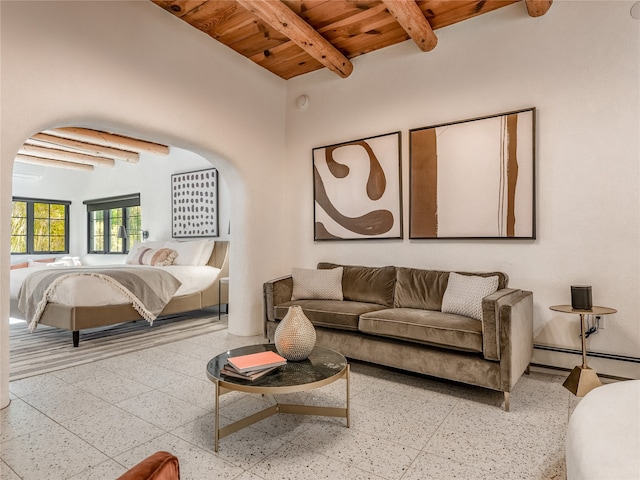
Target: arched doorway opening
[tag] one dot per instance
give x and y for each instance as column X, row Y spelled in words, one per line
column 150, row 176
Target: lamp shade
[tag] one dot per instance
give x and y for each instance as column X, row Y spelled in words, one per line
column 122, row 232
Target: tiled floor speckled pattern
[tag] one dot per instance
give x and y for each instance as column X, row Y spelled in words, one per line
column 94, row 421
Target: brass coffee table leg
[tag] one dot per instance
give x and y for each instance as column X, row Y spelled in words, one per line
column 217, row 419
column 295, row 409
column 348, row 378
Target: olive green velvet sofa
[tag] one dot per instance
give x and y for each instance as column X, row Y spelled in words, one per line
column 393, row 316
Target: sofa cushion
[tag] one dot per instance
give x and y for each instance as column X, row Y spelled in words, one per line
column 366, row 284
column 464, row 294
column 317, row 284
column 424, row 326
column 330, row 313
column 422, row 289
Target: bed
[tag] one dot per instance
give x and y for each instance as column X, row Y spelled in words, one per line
column 87, row 302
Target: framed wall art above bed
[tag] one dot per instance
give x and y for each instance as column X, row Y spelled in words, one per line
column 474, row 178
column 194, row 204
column 357, row 189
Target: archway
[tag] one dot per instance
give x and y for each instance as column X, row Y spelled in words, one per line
column 130, row 68
column 151, row 174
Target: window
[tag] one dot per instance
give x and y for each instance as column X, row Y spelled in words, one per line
column 39, row 226
column 106, row 216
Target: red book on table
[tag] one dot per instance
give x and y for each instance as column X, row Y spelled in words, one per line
column 256, row 361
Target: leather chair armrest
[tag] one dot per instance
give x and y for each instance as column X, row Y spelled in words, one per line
column 159, row 466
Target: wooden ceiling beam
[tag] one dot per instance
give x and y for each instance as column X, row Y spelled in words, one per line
column 408, row 14
column 47, row 162
column 54, row 154
column 109, row 140
column 280, row 17
column 70, row 145
column 537, row 8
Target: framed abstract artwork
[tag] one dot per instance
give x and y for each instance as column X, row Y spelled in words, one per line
column 357, row 189
column 194, row 204
column 474, row 178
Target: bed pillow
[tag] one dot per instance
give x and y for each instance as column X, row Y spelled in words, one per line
column 41, row 261
column 207, row 250
column 156, row 257
column 189, row 252
column 464, row 294
column 146, row 244
column 325, row 284
column 15, row 266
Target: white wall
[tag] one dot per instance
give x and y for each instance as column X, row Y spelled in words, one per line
column 151, row 177
column 134, row 69
column 579, row 65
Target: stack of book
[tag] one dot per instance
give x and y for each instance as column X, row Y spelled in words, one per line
column 253, row 365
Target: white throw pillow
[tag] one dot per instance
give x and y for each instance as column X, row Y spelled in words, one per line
column 464, row 294
column 321, row 284
column 189, row 252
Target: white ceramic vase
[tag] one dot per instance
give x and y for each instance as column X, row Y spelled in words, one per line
column 295, row 336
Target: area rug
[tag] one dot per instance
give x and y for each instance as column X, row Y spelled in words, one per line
column 49, row 349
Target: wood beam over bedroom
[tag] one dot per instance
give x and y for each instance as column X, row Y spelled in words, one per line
column 110, row 140
column 83, row 149
column 71, row 145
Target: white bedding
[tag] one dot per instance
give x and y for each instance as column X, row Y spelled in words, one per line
column 88, row 291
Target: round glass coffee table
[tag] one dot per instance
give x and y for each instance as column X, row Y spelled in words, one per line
column 322, row 367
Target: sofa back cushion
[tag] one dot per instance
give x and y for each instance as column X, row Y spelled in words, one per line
column 425, row 289
column 366, row 284
column 421, row 289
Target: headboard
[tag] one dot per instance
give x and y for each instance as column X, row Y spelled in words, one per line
column 220, row 257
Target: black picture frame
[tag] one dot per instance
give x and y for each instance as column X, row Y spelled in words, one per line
column 357, row 189
column 194, row 204
column 474, row 179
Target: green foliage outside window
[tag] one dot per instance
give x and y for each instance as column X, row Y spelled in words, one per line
column 104, row 227
column 39, row 226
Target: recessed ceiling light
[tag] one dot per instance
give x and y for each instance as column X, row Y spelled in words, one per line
column 635, row 10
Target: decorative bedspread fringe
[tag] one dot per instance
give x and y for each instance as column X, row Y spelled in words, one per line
column 136, row 303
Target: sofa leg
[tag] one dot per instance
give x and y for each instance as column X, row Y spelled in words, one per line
column 528, row 369
column 506, row 401
column 76, row 338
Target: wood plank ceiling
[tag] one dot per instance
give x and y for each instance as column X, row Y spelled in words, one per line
column 294, row 37
column 288, row 38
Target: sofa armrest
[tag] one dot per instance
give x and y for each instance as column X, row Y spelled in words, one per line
column 516, row 337
column 491, row 321
column 276, row 291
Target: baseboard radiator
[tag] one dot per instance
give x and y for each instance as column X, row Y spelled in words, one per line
column 608, row 356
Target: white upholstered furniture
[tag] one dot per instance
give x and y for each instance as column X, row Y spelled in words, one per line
column 603, row 437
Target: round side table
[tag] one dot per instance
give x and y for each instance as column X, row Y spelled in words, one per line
column 582, row 379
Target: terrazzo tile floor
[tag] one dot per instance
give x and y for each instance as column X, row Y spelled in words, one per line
column 94, row 421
